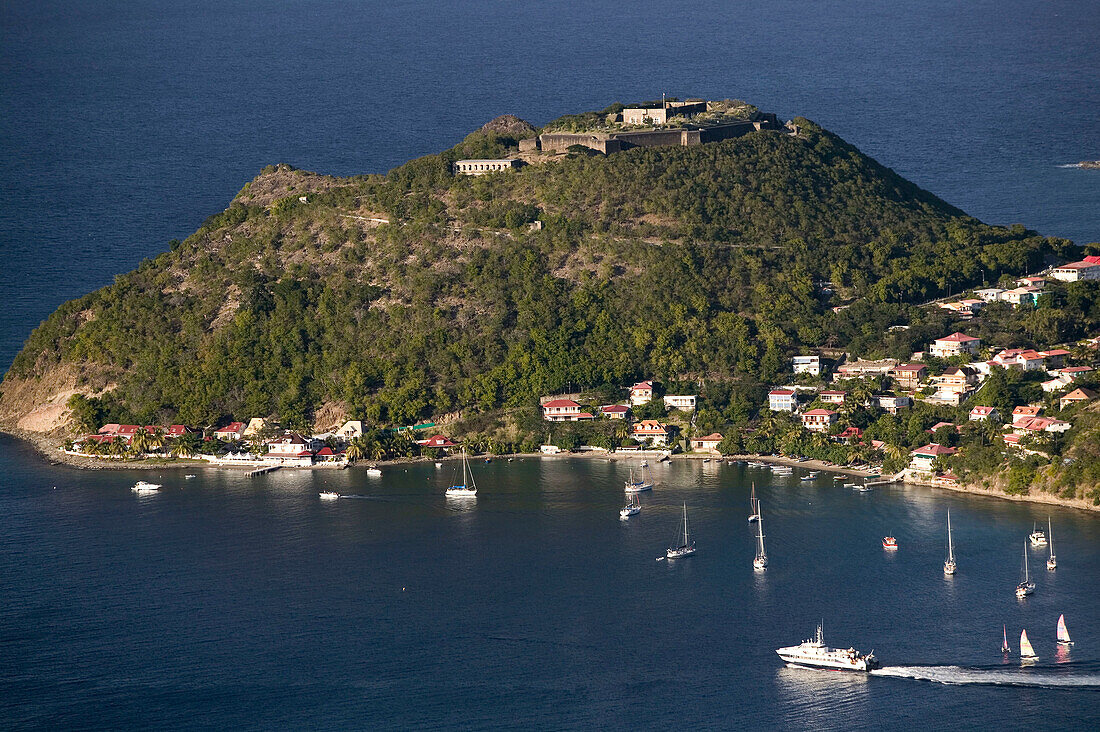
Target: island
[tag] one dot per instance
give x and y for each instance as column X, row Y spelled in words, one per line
column 697, row 277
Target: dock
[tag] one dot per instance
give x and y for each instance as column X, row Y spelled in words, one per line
column 261, row 471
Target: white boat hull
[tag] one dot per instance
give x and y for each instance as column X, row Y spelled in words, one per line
column 949, row 568
column 684, row 551
column 628, row 512
column 638, row 488
column 327, row 496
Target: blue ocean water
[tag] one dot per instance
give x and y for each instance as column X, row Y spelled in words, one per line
column 226, row 602
column 125, row 124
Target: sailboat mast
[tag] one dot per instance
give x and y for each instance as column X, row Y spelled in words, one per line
column 760, row 532
column 1050, row 537
column 1027, row 578
column 685, row 524
column 950, row 544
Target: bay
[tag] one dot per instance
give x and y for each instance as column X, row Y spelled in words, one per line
column 227, row 601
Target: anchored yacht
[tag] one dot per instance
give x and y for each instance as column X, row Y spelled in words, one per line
column 142, row 487
column 814, row 653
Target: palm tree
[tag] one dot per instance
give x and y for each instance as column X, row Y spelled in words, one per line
column 355, row 450
column 180, row 450
column 139, row 443
column 157, row 439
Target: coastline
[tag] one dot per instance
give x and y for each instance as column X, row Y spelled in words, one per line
column 47, row 447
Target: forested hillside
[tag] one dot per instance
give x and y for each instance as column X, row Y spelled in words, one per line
column 406, row 296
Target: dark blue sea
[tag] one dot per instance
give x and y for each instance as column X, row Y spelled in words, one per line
column 226, row 603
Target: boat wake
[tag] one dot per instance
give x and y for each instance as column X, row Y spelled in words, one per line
column 999, row 676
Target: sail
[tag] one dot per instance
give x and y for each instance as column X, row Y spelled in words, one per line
column 1050, row 538
column 1063, row 634
column 760, row 536
column 1025, row 645
column 1004, row 643
column 950, row 545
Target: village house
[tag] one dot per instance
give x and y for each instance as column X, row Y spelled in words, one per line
column 437, row 442
column 832, row 397
column 289, row 449
column 848, row 436
column 819, row 420
column 350, row 430
column 955, row 344
column 910, row 375
column 890, row 403
column 650, row 430
column 989, row 294
column 1039, row 424
column 1077, row 271
column 1022, row 358
column 954, row 385
column 807, row 365
column 938, row 425
column 684, row 402
column 963, row 307
column 232, row 432
column 980, row 414
column 328, row 455
column 1022, row 296
column 1055, row 358
column 1076, row 397
column 1059, row 382
column 615, row 411
column 563, row 410
column 706, row 444
column 1032, row 281
column 922, row 458
column 1073, row 372
column 1025, row 412
column 783, row 400
column 641, row 393
column 859, row 368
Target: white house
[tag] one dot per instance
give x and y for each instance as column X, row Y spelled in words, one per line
column 989, row 294
column 832, row 397
column 807, row 365
column 819, row 420
column 614, row 411
column 563, row 410
column 352, row 428
column 922, row 458
column 652, row 430
column 685, row 402
column 706, row 444
column 290, row 449
column 782, row 400
column 980, row 414
column 891, row 403
column 231, row 432
column 954, row 345
column 641, row 393
column 1077, row 271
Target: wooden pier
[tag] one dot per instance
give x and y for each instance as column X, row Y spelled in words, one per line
column 261, row 471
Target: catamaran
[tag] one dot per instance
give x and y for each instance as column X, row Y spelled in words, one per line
column 467, row 488
column 754, row 505
column 686, row 546
column 1004, row 643
column 949, row 566
column 1063, row 634
column 760, row 563
column 632, row 507
column 1026, row 587
column 642, row 484
column 1037, row 537
column 1052, row 563
column 1026, row 651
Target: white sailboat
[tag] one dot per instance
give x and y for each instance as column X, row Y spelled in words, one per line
column 632, row 507
column 686, row 546
column 642, row 484
column 1004, row 643
column 467, row 488
column 1063, row 634
column 754, row 505
column 1026, row 651
column 949, row 566
column 760, row 563
column 1026, row 587
column 1052, row 563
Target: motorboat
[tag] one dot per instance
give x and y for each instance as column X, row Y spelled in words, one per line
column 374, row 472
column 889, row 543
column 329, row 495
column 813, row 653
column 143, row 487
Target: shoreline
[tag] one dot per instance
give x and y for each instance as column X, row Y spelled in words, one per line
column 47, row 448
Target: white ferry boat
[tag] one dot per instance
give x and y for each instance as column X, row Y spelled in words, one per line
column 814, row 653
column 142, row 487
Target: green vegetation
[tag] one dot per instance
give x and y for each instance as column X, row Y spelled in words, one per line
column 698, row 266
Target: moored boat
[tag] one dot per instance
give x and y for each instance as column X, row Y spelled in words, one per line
column 1052, row 562
column 754, row 505
column 142, row 487
column 632, row 507
column 1037, row 537
column 889, row 543
column 641, row 484
column 374, row 472
column 686, row 546
column 1026, row 587
column 760, row 562
column 1063, row 633
column 813, row 653
column 467, row 488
